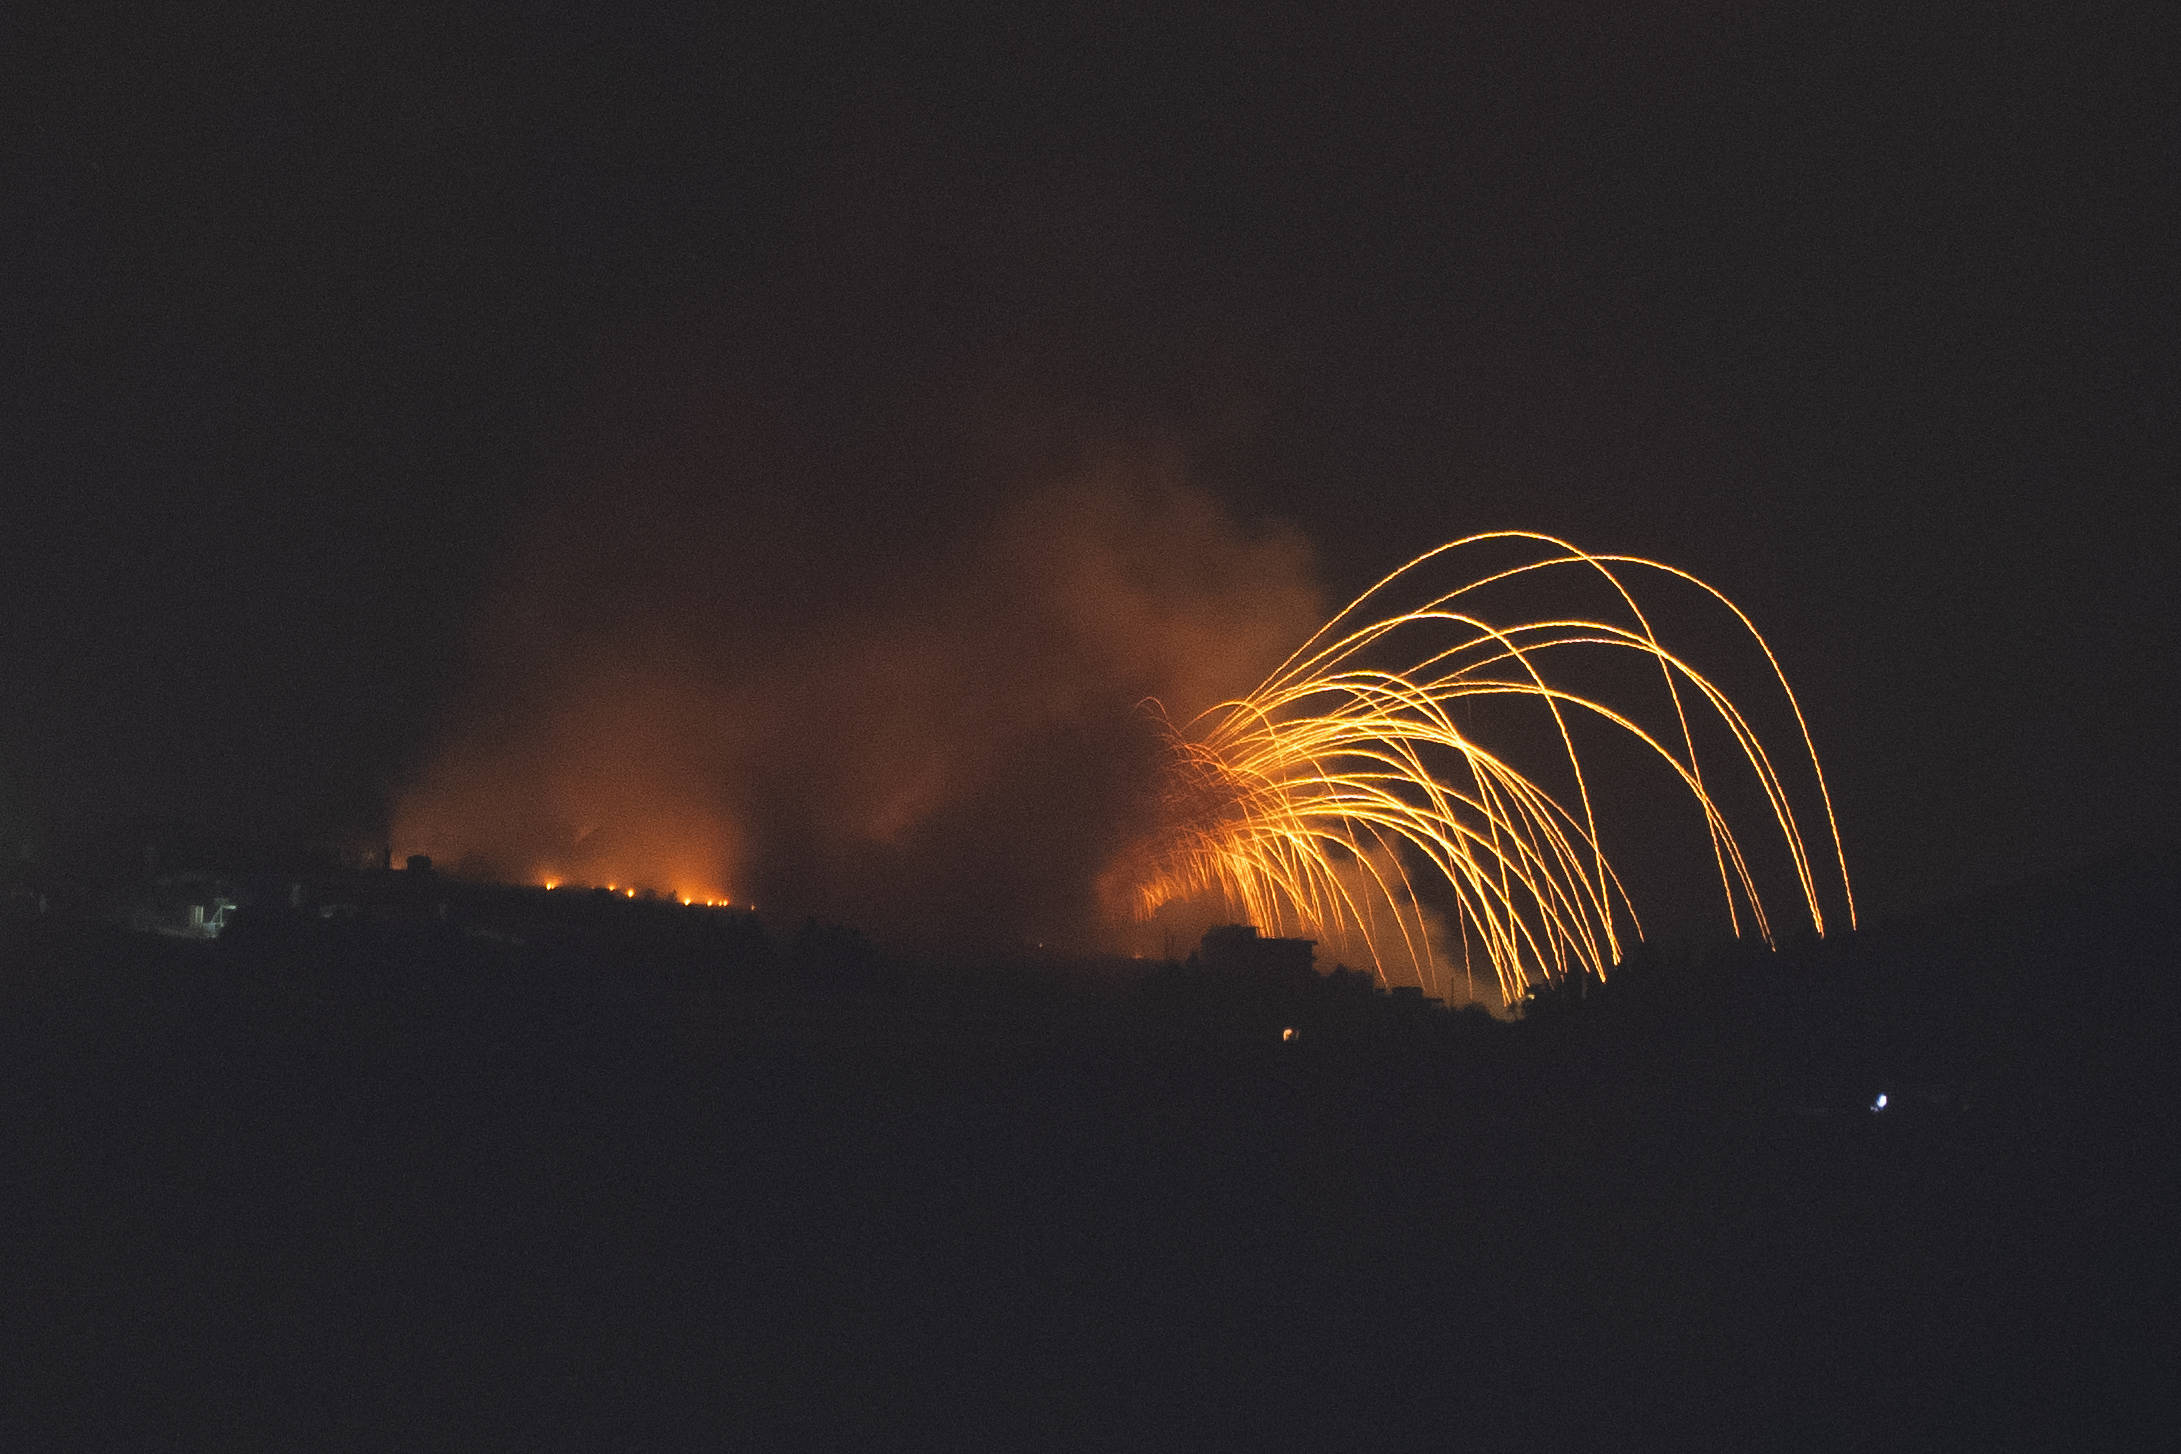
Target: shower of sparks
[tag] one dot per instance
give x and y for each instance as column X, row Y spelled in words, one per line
column 1324, row 801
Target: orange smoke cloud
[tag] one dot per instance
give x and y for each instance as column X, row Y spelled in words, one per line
column 931, row 732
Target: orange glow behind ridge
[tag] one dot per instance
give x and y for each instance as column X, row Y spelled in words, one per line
column 936, row 743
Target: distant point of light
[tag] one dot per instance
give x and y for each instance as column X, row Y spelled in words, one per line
column 1880, row 1103
column 1288, row 1033
column 551, row 884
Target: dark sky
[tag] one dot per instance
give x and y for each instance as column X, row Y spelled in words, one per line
column 1863, row 319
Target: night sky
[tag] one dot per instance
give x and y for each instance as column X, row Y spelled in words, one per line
column 312, row 328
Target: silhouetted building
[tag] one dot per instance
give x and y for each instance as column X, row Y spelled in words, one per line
column 1239, row 949
column 182, row 906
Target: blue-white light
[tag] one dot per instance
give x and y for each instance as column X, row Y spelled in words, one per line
column 1880, row 1103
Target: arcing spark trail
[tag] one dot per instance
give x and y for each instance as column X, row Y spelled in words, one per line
column 1324, row 800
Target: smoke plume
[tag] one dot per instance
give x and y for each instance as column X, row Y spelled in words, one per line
column 723, row 671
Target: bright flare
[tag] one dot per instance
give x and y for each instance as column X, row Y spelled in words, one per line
column 1322, row 801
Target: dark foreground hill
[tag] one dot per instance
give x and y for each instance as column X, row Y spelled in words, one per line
column 400, row 1187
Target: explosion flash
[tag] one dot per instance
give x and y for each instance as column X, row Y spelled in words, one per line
column 1342, row 799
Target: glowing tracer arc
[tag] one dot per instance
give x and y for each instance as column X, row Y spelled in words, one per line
column 1322, row 801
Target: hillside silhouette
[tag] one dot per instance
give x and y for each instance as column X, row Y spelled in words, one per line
column 406, row 1162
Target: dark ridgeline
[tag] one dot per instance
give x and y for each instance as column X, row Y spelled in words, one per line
column 396, row 1159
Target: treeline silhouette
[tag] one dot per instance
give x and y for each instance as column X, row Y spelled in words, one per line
column 398, row 1161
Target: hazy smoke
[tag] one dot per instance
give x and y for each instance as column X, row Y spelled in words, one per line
column 725, row 672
